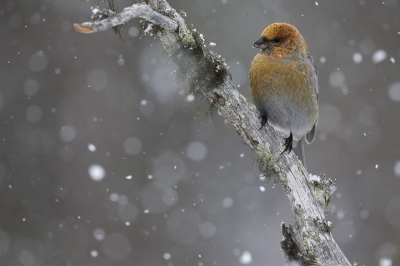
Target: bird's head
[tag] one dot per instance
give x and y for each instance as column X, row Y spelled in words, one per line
column 281, row 40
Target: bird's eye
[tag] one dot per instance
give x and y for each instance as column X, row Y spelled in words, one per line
column 276, row 40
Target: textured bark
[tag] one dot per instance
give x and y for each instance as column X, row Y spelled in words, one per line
column 309, row 241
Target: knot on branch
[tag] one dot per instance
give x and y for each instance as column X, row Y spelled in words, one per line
column 291, row 249
column 323, row 189
column 323, row 225
column 268, row 165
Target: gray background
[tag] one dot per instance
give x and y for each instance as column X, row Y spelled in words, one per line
column 178, row 188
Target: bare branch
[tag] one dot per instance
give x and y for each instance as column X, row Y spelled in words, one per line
column 134, row 11
column 309, row 241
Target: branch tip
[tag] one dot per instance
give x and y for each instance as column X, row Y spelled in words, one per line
column 83, row 29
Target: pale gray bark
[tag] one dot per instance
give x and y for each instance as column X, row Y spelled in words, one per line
column 309, row 241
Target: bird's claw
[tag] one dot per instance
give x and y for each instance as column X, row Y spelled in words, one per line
column 288, row 144
column 264, row 120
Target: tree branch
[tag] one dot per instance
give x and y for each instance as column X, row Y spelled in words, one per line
column 309, row 241
column 134, row 11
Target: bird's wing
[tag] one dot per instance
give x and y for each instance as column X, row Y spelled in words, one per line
column 309, row 57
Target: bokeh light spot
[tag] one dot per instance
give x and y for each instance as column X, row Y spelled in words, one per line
column 394, row 92
column 38, row 62
column 96, row 172
column 245, row 258
column 132, row 146
column 208, row 229
column 196, row 151
column 33, row 113
column 31, row 87
column 97, row 79
column 99, row 234
column 116, row 246
column 67, row 133
column 392, row 211
column 128, row 212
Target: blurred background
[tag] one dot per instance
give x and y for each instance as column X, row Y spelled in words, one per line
column 104, row 161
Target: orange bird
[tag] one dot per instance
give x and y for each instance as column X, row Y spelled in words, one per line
column 284, row 85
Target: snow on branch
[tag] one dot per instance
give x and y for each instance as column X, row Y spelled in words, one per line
column 309, row 241
column 134, row 11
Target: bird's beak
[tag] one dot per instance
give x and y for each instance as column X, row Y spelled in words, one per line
column 260, row 43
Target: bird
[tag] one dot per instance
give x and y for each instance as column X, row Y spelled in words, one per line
column 284, row 86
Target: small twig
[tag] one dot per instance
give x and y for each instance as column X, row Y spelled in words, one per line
column 129, row 13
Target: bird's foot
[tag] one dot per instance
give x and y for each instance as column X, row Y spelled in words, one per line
column 288, row 144
column 264, row 119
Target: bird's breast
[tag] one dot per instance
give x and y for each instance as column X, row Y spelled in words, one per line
column 286, row 89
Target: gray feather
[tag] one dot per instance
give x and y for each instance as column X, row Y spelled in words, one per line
column 299, row 151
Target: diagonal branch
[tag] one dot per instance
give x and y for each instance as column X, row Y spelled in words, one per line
column 309, row 241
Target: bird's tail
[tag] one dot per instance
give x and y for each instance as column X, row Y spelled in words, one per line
column 299, row 151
